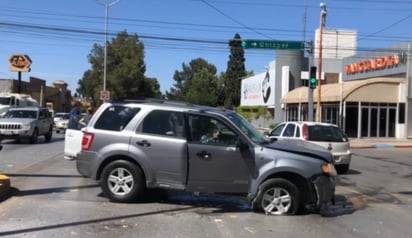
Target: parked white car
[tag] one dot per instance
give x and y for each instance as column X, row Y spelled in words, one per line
column 327, row 135
column 73, row 138
column 61, row 120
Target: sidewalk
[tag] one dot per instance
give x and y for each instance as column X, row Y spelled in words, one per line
column 368, row 143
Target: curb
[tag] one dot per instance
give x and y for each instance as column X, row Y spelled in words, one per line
column 380, row 146
column 4, row 185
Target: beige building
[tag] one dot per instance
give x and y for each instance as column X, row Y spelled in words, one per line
column 57, row 95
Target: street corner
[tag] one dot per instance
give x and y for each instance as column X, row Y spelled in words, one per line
column 4, row 186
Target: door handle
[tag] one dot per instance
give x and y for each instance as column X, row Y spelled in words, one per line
column 143, row 143
column 204, row 154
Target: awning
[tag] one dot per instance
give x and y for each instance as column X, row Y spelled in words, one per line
column 367, row 90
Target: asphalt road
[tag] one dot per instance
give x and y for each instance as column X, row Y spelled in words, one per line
column 50, row 199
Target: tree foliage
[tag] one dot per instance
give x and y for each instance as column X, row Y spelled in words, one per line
column 196, row 83
column 235, row 71
column 125, row 70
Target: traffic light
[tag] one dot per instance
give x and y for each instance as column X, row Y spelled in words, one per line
column 312, row 77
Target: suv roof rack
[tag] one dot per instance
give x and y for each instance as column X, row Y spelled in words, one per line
column 153, row 100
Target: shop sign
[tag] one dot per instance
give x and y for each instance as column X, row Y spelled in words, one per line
column 19, row 63
column 373, row 64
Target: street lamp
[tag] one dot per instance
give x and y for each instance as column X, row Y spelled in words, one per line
column 106, row 7
column 321, row 25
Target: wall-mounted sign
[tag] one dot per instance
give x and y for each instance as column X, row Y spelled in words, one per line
column 373, row 64
column 19, row 63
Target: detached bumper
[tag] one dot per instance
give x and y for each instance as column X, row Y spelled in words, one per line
column 324, row 189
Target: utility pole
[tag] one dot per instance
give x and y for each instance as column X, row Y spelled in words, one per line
column 321, row 25
column 106, row 7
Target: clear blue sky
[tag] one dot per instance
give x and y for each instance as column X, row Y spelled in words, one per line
column 59, row 34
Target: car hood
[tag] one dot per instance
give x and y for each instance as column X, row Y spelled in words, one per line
column 302, row 147
column 16, row 120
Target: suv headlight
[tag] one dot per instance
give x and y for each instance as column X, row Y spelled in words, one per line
column 329, row 168
column 25, row 126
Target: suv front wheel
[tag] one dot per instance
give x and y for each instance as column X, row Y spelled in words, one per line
column 277, row 197
column 122, row 181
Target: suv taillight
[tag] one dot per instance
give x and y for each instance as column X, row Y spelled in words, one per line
column 305, row 132
column 87, row 140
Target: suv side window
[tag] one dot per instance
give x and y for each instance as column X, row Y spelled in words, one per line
column 209, row 130
column 115, row 118
column 164, row 123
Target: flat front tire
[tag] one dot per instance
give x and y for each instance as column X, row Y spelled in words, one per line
column 277, row 197
column 122, row 181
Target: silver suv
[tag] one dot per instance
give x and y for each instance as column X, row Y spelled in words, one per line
column 26, row 123
column 133, row 145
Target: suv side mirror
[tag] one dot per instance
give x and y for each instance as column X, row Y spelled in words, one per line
column 241, row 144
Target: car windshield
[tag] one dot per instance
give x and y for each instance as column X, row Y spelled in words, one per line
column 326, row 133
column 20, row 114
column 247, row 128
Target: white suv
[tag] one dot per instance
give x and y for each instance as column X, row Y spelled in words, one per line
column 327, row 135
column 26, row 123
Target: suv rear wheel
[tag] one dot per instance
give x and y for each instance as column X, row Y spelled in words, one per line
column 122, row 181
column 49, row 134
column 34, row 137
column 277, row 197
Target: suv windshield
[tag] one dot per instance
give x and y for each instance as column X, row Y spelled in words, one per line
column 247, row 128
column 20, row 114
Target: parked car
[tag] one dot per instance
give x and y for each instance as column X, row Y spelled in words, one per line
column 326, row 135
column 73, row 137
column 134, row 145
column 26, row 123
column 61, row 120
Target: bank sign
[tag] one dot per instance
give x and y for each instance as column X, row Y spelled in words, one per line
column 258, row 90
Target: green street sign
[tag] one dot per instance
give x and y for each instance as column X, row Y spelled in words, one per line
column 272, row 44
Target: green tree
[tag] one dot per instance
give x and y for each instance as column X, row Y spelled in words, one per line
column 235, row 71
column 125, row 72
column 203, row 89
column 184, row 78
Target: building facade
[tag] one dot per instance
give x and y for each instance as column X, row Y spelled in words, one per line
column 57, row 95
column 367, row 94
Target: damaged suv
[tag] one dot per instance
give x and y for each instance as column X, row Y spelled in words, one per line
column 134, row 145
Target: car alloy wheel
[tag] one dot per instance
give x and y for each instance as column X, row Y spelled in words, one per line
column 276, row 201
column 277, row 197
column 122, row 181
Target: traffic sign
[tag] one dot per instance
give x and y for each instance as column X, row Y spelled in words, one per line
column 272, row 44
column 104, row 95
column 19, row 63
